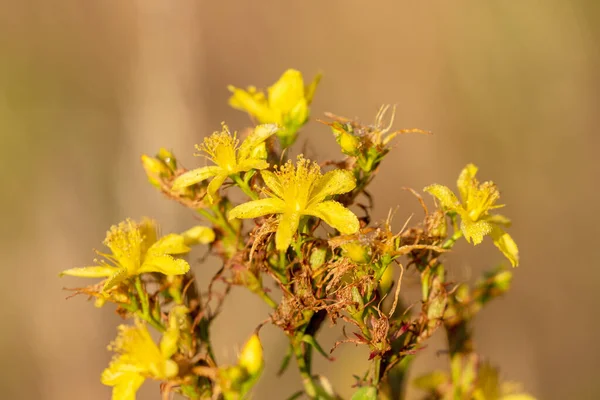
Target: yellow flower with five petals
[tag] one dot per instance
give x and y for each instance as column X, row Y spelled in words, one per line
column 287, row 104
column 135, row 249
column 230, row 158
column 474, row 210
column 302, row 190
column 139, row 358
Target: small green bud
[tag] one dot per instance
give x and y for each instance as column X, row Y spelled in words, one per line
column 317, row 257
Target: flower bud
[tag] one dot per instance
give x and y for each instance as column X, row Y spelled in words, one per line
column 502, row 280
column 357, row 253
column 167, row 158
column 198, row 235
column 251, row 358
column 348, row 142
column 155, row 170
column 386, row 280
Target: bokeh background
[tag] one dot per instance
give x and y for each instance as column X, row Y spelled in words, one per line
column 87, row 87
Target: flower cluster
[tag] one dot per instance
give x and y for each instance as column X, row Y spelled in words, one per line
column 307, row 243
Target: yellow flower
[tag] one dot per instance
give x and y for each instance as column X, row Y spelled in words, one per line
column 230, row 158
column 139, row 358
column 135, row 250
column 286, row 105
column 474, row 210
column 299, row 191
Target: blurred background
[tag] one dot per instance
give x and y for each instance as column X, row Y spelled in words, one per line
column 87, row 87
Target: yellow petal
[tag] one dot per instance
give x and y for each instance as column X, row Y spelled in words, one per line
column 91, row 272
column 169, row 244
column 164, row 264
column 147, row 228
column 253, row 103
column 444, row 195
column 474, row 231
column 252, row 163
column 257, row 208
column 506, row 245
column 125, row 384
column 333, row 182
column 296, row 117
column 287, row 91
column 335, row 215
column 288, row 225
column 499, row 220
column 194, row 176
column 466, row 181
column 272, row 182
column 258, row 136
column 117, row 277
column 213, row 187
column 309, row 90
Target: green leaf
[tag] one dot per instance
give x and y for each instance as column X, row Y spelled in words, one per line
column 365, row 393
column 286, row 361
column 313, row 342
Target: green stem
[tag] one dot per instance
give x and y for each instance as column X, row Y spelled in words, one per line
column 448, row 244
column 218, row 219
column 143, row 296
column 377, row 371
column 245, row 187
column 310, row 387
column 134, row 309
column 266, row 298
column 211, row 218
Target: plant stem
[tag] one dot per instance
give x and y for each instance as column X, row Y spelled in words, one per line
column 310, row 387
column 266, row 298
column 377, row 371
column 143, row 296
column 245, row 187
column 211, row 218
column 134, row 309
column 448, row 244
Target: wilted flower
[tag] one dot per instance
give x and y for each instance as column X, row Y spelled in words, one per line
column 299, row 191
